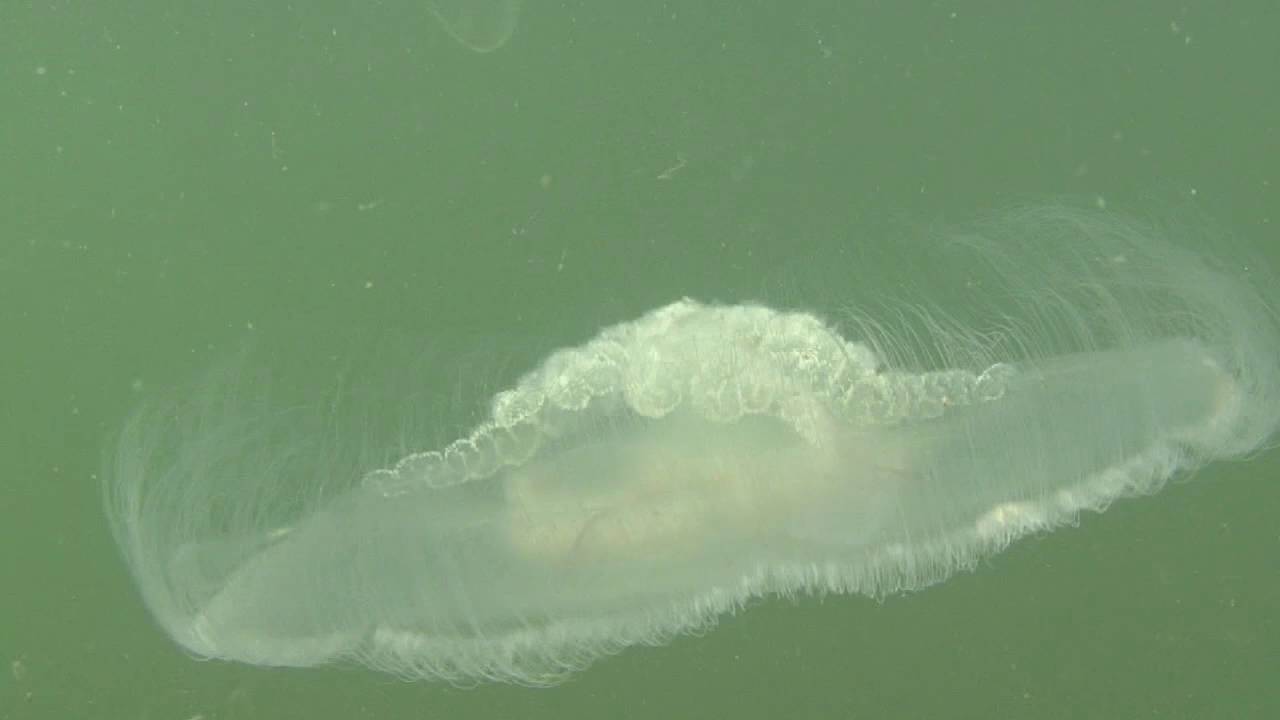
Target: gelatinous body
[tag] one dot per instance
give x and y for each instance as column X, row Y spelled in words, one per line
column 679, row 464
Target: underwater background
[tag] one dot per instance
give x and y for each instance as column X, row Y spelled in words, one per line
column 180, row 180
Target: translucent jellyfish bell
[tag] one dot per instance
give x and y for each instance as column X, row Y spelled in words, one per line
column 676, row 466
column 481, row 25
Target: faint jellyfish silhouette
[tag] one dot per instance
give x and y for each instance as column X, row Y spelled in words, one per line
column 481, row 25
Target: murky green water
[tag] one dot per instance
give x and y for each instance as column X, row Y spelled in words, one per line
column 179, row 182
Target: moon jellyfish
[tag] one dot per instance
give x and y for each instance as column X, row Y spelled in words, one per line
column 980, row 386
column 481, row 25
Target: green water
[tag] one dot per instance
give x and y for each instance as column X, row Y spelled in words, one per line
column 176, row 179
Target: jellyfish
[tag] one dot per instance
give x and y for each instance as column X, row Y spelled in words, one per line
column 976, row 386
column 480, row 25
